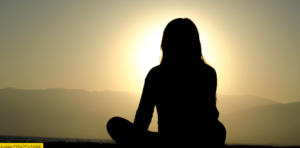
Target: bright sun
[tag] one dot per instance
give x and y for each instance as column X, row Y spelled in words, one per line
column 149, row 51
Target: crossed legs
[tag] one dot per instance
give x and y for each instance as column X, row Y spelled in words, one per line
column 124, row 133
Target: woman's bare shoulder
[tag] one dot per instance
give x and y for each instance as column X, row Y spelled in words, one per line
column 211, row 76
column 210, row 70
column 154, row 71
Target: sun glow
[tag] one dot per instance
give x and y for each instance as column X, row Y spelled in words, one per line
column 149, row 51
column 206, row 50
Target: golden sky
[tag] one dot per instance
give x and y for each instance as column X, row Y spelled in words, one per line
column 111, row 45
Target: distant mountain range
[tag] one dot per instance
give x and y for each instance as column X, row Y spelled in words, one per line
column 73, row 113
column 229, row 104
column 277, row 124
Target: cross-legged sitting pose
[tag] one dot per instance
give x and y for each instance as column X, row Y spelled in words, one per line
column 183, row 89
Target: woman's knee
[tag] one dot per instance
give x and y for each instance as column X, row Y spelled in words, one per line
column 115, row 118
column 118, row 124
column 112, row 122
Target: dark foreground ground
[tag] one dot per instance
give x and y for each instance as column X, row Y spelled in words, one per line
column 112, row 145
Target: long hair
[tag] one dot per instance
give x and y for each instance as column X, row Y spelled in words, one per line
column 181, row 44
column 181, row 41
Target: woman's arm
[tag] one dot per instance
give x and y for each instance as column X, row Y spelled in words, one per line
column 214, row 89
column 145, row 110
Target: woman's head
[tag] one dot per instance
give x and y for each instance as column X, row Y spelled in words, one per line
column 180, row 41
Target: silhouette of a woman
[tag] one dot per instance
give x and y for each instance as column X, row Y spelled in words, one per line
column 183, row 88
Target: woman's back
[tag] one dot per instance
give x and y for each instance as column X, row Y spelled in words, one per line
column 184, row 97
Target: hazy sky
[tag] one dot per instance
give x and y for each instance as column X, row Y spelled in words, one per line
column 111, row 45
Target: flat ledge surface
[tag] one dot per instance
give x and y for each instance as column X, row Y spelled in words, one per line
column 114, row 145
